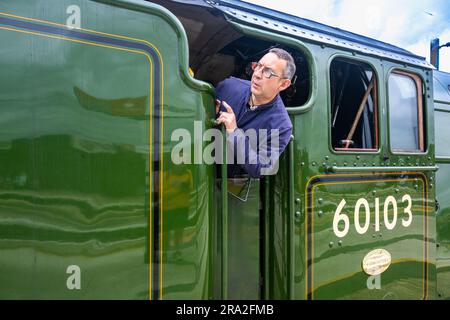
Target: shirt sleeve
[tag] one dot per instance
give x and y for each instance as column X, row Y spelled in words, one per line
column 223, row 91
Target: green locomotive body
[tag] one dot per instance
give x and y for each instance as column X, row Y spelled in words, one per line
column 97, row 96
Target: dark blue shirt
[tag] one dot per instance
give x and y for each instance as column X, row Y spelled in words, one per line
column 261, row 158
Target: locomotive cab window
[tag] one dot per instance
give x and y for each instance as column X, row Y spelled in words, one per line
column 406, row 112
column 353, row 106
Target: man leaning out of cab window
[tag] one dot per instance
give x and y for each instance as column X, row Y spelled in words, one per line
column 249, row 108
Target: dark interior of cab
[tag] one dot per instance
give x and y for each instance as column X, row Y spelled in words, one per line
column 217, row 50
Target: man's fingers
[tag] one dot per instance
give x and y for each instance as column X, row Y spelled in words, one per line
column 223, row 118
column 227, row 106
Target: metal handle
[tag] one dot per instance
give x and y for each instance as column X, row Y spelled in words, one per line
column 224, row 235
column 337, row 169
column 291, row 250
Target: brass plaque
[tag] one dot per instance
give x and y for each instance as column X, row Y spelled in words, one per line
column 376, row 262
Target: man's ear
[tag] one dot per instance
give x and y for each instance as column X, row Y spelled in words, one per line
column 285, row 84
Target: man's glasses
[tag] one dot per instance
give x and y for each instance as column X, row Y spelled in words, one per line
column 266, row 72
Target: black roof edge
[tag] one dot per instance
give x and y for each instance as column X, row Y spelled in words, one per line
column 314, row 26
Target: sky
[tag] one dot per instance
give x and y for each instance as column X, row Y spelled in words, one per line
column 409, row 24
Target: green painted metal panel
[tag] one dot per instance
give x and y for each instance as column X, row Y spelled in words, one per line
column 397, row 222
column 443, row 230
column 86, row 177
column 442, row 106
column 244, row 239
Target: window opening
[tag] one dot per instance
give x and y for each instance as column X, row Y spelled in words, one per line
column 406, row 112
column 354, row 123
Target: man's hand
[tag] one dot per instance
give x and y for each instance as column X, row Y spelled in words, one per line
column 227, row 118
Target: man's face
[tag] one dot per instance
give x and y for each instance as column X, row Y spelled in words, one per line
column 263, row 88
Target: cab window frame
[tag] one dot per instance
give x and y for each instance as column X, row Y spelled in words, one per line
column 351, row 59
column 421, row 104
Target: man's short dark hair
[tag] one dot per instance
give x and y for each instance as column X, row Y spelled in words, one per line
column 289, row 70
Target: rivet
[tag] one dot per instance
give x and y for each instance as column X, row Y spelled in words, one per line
column 302, row 163
column 297, row 214
column 331, row 244
column 354, row 163
column 326, row 157
column 358, row 157
column 431, row 185
column 374, row 192
column 381, row 235
column 320, row 213
column 396, row 190
column 340, row 243
column 320, row 200
column 297, row 201
column 313, row 164
column 345, row 164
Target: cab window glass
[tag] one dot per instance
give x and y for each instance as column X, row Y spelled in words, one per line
column 353, row 106
column 442, row 129
column 405, row 112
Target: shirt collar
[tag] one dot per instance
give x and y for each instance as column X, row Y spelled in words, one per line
column 263, row 106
